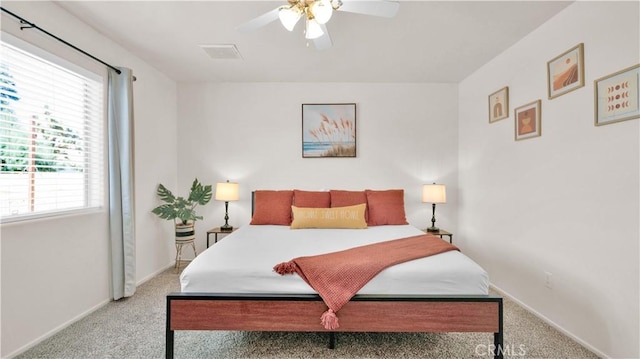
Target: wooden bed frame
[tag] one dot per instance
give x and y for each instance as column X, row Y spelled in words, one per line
column 364, row 313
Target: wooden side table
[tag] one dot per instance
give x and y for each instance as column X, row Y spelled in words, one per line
column 217, row 231
column 441, row 233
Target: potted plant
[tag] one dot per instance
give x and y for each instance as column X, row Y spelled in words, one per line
column 182, row 211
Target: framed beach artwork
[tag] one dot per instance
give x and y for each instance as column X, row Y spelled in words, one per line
column 565, row 73
column 527, row 119
column 328, row 130
column 499, row 105
column 617, row 96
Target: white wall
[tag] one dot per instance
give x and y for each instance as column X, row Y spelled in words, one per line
column 408, row 134
column 566, row 202
column 251, row 133
column 56, row 270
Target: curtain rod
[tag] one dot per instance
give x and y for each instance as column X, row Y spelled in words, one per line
column 34, row 26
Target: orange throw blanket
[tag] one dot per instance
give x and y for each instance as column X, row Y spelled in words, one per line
column 338, row 276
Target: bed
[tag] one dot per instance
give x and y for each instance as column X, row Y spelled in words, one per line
column 231, row 286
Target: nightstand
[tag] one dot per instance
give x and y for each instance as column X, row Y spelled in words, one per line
column 441, row 233
column 217, row 231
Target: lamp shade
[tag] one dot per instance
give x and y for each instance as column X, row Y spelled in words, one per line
column 314, row 30
column 226, row 191
column 322, row 11
column 434, row 193
column 289, row 16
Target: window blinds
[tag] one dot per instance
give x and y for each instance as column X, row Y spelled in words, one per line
column 51, row 137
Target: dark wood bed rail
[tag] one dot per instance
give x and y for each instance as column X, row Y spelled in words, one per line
column 364, row 313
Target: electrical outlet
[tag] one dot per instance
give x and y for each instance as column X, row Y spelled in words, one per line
column 547, row 280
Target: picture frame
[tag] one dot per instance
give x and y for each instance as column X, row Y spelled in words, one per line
column 329, row 130
column 499, row 105
column 565, row 72
column 527, row 119
column 617, row 96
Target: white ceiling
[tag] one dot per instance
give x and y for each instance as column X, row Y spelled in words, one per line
column 428, row 41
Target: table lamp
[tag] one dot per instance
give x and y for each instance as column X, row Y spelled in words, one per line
column 226, row 191
column 434, row 193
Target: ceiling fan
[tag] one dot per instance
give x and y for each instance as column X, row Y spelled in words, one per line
column 317, row 13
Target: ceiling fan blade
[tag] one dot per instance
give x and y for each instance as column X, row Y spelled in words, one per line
column 380, row 8
column 323, row 42
column 259, row 21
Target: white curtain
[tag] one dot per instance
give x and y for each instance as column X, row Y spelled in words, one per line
column 121, row 206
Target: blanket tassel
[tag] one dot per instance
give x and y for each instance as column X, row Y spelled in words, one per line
column 329, row 320
column 285, row 268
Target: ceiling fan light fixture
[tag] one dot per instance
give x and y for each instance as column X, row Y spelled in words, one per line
column 313, row 30
column 289, row 16
column 322, row 10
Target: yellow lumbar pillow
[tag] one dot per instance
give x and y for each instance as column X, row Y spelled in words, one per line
column 336, row 217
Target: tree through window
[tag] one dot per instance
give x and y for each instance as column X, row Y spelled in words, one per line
column 51, row 135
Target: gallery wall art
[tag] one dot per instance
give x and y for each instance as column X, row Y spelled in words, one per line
column 617, row 96
column 565, row 72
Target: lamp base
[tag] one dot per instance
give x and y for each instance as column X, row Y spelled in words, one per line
column 433, row 229
column 226, row 228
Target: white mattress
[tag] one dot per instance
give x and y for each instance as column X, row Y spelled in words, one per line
column 243, row 261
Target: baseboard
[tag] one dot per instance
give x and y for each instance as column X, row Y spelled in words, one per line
column 56, row 330
column 150, row 276
column 78, row 317
column 551, row 323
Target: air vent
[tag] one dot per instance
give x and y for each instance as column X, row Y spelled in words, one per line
column 224, row 51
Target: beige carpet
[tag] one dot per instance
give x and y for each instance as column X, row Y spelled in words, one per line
column 135, row 328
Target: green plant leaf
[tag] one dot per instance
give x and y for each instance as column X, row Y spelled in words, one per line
column 200, row 194
column 166, row 211
column 165, row 194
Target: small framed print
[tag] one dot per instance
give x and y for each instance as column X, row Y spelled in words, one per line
column 617, row 96
column 527, row 118
column 328, row 130
column 499, row 105
column 565, row 73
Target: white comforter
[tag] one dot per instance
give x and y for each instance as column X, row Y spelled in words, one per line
column 243, row 262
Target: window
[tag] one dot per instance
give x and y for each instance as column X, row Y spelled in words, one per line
column 51, row 135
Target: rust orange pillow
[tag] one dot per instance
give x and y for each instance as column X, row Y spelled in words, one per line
column 272, row 207
column 311, row 199
column 341, row 198
column 351, row 217
column 386, row 207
